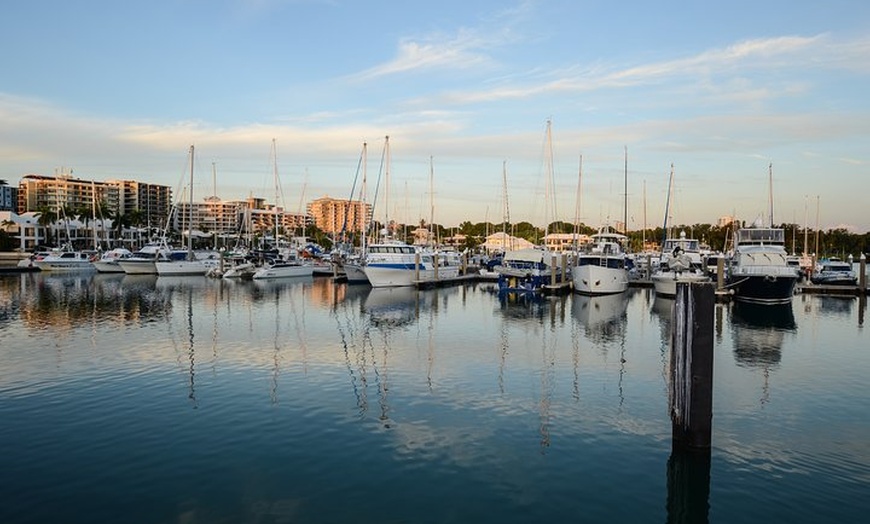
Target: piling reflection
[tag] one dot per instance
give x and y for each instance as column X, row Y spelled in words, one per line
column 688, row 486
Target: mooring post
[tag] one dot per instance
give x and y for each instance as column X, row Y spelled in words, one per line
column 691, row 384
column 553, row 267
column 565, row 276
column 862, row 275
column 720, row 274
column 435, row 260
column 417, row 266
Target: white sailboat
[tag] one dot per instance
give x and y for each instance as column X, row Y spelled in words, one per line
column 680, row 259
column 288, row 265
column 189, row 265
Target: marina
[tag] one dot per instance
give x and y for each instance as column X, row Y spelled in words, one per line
column 309, row 400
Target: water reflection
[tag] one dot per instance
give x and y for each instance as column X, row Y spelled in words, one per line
column 604, row 317
column 759, row 331
column 66, row 301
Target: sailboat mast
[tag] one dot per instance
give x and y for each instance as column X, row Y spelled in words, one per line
column 275, row 181
column 190, row 211
column 365, row 211
column 506, row 218
column 431, row 201
column 549, row 200
column 387, row 185
column 667, row 207
column 770, row 190
column 577, row 205
column 625, row 195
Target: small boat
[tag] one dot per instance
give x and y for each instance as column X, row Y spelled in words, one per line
column 527, row 270
column 66, row 260
column 681, row 261
column 108, row 261
column 835, row 272
column 283, row 269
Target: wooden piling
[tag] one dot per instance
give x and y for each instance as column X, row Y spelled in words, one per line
column 691, row 367
column 862, row 275
column 417, row 266
column 553, row 267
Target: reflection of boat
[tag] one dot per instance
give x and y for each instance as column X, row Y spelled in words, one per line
column 603, row 316
column 393, row 305
column 759, row 331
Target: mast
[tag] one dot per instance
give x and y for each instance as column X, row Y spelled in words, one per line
column 506, row 217
column 432, row 202
column 550, row 200
column 190, row 211
column 667, row 207
column 387, row 184
column 94, row 213
column 770, row 190
column 625, row 195
column 275, row 181
column 643, row 247
column 577, row 205
column 806, row 215
column 365, row 211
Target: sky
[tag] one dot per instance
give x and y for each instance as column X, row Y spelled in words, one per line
column 722, row 93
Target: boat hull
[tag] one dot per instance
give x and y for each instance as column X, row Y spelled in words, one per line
column 764, row 289
column 180, row 268
column 284, row 271
column 398, row 275
column 665, row 282
column 591, row 279
column 355, row 273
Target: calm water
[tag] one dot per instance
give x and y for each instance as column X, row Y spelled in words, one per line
column 193, row 400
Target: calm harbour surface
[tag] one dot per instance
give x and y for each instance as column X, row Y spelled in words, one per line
column 187, row 399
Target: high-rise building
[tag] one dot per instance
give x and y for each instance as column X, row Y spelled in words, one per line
column 8, row 197
column 333, row 216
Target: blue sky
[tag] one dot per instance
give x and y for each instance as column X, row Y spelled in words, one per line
column 721, row 90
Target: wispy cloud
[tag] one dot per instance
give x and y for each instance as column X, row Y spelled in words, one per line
column 466, row 49
column 787, row 51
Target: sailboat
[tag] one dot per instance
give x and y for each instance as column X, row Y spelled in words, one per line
column 288, row 265
column 354, row 266
column 531, row 269
column 189, row 265
column 680, row 257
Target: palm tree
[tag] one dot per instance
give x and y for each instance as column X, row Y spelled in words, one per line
column 47, row 217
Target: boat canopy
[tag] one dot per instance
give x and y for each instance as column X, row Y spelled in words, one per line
column 525, row 255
